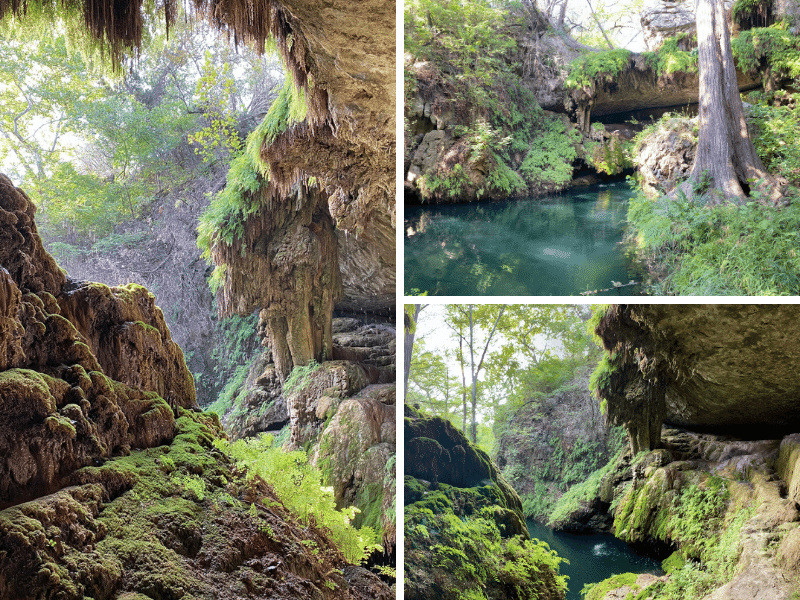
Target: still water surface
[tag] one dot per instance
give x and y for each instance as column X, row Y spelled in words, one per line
column 592, row 558
column 560, row 245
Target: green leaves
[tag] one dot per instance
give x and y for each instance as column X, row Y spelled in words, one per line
column 720, row 250
column 213, row 93
column 298, row 484
column 587, row 69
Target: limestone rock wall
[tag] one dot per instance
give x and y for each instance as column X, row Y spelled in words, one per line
column 457, row 504
column 60, row 408
column 723, row 367
column 356, row 453
column 746, row 541
column 662, row 19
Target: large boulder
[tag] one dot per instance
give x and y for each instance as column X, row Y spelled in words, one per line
column 356, row 454
column 465, row 534
column 665, row 155
column 663, row 19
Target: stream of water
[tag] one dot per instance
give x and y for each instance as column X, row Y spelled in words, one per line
column 592, row 558
column 555, row 246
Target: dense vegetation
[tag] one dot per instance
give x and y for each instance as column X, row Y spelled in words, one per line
column 498, row 128
column 299, row 486
column 500, row 342
column 697, row 248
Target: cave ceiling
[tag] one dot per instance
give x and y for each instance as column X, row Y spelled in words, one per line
column 725, row 366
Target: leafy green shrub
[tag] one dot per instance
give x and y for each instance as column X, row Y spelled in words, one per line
column 775, row 47
column 587, row 68
column 748, row 250
column 775, row 131
column 698, row 511
column 549, row 161
column 670, row 58
column 468, row 35
column 468, row 551
column 298, row 484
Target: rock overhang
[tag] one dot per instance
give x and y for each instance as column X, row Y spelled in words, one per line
column 726, row 367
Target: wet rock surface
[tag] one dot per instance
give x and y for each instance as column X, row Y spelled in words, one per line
column 356, row 453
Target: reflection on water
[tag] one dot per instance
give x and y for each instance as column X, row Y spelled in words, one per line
column 562, row 245
column 592, row 558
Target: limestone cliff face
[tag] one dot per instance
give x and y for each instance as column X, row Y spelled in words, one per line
column 721, row 488
column 109, row 486
column 719, row 502
column 60, row 406
column 348, row 139
column 549, row 445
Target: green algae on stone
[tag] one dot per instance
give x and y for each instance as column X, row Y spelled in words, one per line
column 126, row 529
column 599, row 590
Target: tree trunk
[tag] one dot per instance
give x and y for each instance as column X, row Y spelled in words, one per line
column 726, row 164
column 463, row 386
column 408, row 344
column 474, row 375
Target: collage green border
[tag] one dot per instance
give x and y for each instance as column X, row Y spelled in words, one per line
column 401, row 298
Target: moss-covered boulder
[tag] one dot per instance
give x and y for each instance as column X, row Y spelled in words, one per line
column 438, row 452
column 356, row 454
column 62, row 407
column 465, row 535
column 175, row 521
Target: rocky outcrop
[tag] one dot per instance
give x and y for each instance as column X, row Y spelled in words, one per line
column 60, row 407
column 640, row 87
column 347, row 142
column 551, row 444
column 721, row 503
column 356, row 454
column 663, row 19
column 665, row 156
column 171, row 522
column 464, row 528
column 127, row 332
column 728, row 368
column 342, row 412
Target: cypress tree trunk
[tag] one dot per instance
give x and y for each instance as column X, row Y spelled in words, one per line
column 726, row 160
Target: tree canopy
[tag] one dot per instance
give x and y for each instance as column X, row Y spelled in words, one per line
column 473, row 362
